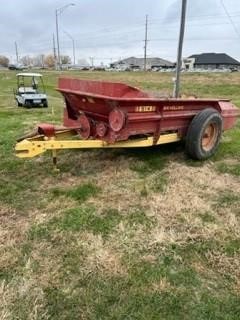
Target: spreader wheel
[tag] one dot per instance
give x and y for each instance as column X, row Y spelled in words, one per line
column 204, row 134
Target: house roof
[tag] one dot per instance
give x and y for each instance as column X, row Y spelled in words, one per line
column 214, row 58
column 140, row 62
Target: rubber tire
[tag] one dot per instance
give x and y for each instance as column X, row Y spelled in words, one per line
column 45, row 104
column 19, row 104
column 28, row 105
column 195, row 132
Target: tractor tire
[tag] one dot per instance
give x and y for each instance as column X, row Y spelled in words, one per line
column 45, row 104
column 204, row 134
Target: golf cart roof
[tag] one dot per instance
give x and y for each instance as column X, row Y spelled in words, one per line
column 29, row 75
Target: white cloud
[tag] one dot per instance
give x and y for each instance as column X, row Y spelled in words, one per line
column 109, row 29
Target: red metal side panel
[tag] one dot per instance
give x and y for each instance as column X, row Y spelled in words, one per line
column 108, row 89
column 140, row 114
column 229, row 113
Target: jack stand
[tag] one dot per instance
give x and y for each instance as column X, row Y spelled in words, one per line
column 54, row 158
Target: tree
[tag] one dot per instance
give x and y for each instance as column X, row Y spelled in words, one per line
column 49, row 61
column 38, row 61
column 26, row 60
column 4, row 61
column 65, row 59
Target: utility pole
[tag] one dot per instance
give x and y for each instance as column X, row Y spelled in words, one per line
column 180, row 46
column 42, row 60
column 74, row 55
column 92, row 61
column 16, row 49
column 59, row 65
column 73, row 46
column 145, row 43
column 57, row 13
column 54, row 52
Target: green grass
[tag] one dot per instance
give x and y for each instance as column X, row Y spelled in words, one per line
column 101, row 239
column 115, row 299
column 207, row 217
column 233, row 169
column 80, row 193
column 87, row 219
column 227, row 198
column 230, row 144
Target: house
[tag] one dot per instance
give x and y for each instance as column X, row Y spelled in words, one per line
column 210, row 61
column 133, row 63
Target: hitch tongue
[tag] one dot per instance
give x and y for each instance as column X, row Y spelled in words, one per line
column 28, row 149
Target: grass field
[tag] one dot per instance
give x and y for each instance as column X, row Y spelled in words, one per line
column 119, row 234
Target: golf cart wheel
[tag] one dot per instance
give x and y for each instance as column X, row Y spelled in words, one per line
column 45, row 104
column 28, row 104
column 204, row 134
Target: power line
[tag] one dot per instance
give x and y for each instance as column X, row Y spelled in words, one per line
column 139, row 41
column 199, row 17
column 138, row 27
column 230, row 18
column 121, row 37
column 113, row 34
column 108, row 39
column 193, row 39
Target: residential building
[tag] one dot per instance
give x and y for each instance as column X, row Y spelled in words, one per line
column 132, row 63
column 210, row 61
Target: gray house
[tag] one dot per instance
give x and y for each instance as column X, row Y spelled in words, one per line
column 210, row 61
column 133, row 63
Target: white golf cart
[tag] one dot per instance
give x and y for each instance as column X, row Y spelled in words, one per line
column 30, row 90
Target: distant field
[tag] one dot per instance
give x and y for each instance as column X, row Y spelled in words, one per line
column 119, row 234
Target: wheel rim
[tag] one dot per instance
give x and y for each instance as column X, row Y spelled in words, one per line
column 209, row 136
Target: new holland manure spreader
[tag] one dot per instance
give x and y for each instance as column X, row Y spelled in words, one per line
column 101, row 114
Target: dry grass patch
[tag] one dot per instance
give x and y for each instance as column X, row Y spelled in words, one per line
column 162, row 286
column 226, row 266
column 101, row 256
column 22, row 299
column 120, row 186
column 193, row 191
column 13, row 225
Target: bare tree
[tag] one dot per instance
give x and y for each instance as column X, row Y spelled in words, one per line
column 38, row 61
column 26, row 60
column 49, row 61
column 4, row 61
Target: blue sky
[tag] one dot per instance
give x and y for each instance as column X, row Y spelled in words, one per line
column 111, row 29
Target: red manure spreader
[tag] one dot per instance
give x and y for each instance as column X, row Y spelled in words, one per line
column 102, row 114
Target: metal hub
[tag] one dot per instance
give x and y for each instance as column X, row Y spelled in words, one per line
column 85, row 127
column 209, row 137
column 116, row 119
column 101, row 129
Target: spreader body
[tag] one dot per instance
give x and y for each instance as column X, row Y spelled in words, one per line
column 99, row 114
